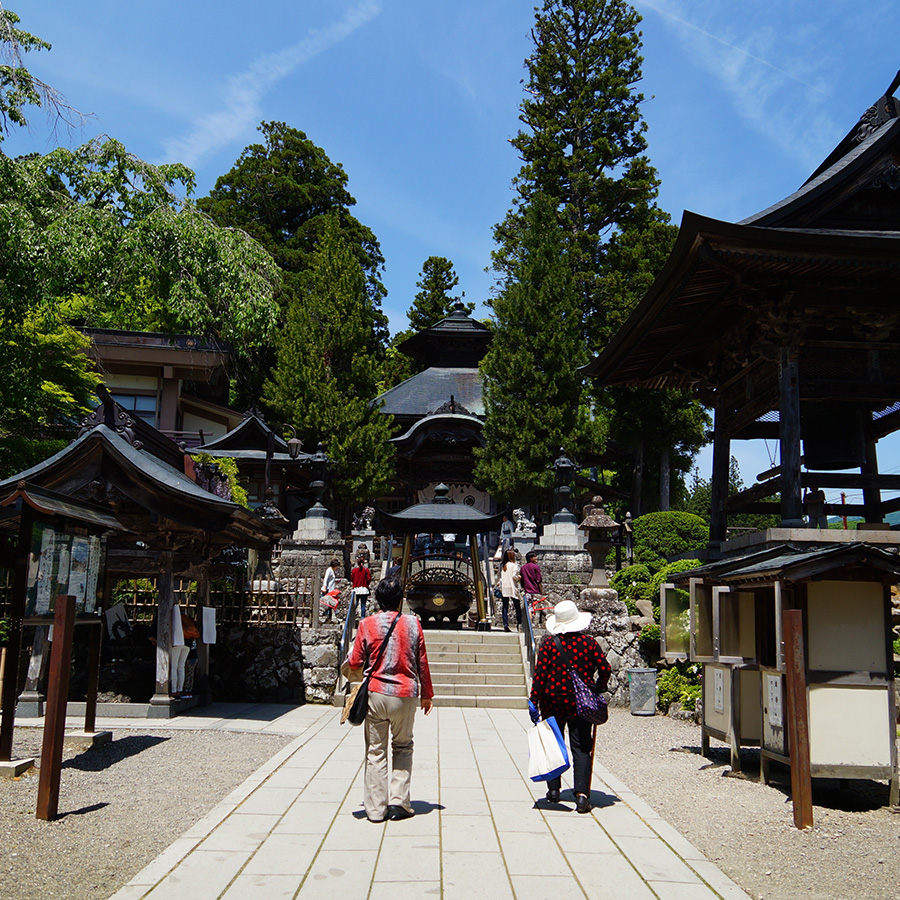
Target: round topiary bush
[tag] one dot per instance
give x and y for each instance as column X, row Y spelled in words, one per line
column 662, row 534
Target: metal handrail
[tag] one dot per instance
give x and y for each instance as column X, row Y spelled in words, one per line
column 530, row 644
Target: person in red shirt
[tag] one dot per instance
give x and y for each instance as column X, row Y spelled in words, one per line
column 360, row 579
column 552, row 691
column 401, row 683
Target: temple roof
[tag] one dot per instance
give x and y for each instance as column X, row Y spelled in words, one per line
column 105, row 462
column 422, row 394
column 249, row 441
column 829, row 250
column 439, row 516
column 459, row 341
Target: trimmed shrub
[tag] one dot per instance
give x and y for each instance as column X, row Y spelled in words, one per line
column 631, row 583
column 679, row 683
column 662, row 534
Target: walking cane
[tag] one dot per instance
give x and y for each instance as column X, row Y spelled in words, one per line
column 593, row 748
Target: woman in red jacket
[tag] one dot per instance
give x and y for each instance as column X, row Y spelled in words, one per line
column 552, row 692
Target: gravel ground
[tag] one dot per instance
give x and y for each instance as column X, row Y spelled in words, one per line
column 121, row 805
column 745, row 827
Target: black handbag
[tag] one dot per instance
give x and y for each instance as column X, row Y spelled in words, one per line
column 360, row 708
column 589, row 705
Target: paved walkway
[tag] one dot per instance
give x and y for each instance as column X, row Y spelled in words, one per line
column 296, row 827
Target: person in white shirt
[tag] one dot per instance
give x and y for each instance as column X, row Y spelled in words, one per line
column 509, row 588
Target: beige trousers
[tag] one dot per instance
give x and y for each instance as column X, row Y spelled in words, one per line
column 394, row 715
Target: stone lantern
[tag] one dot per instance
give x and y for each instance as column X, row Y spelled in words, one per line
column 319, row 463
column 599, row 528
column 564, row 470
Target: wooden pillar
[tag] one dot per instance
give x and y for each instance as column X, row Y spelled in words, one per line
column 404, row 562
column 480, row 605
column 665, row 479
column 202, row 690
column 637, row 479
column 164, row 606
column 14, row 643
column 93, row 683
column 57, row 698
column 798, row 718
column 37, row 668
column 789, row 437
column 721, row 468
column 872, row 495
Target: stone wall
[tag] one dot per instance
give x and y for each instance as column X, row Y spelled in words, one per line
column 565, row 573
column 274, row 664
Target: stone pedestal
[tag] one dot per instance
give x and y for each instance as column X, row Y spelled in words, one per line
column 563, row 535
column 363, row 540
column 316, row 529
column 611, row 625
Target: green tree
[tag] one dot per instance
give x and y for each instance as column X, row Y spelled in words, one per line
column 19, row 88
column 327, row 372
column 46, row 385
column 434, row 301
column 282, row 192
column 532, row 386
column 699, row 500
column 584, row 147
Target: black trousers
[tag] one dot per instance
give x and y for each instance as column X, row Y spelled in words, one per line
column 582, row 746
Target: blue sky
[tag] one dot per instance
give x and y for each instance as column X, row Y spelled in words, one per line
column 418, row 100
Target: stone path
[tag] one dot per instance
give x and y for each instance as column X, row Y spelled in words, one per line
column 296, row 828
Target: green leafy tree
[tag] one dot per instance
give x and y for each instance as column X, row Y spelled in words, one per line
column 532, row 386
column 47, row 383
column 282, row 192
column 699, row 501
column 327, row 372
column 19, row 88
column 583, row 146
column 432, row 303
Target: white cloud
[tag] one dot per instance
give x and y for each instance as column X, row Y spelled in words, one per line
column 244, row 91
column 766, row 95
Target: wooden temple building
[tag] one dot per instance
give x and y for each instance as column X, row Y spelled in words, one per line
column 787, row 324
column 439, row 414
column 165, row 525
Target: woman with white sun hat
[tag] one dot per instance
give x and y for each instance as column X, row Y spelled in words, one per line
column 566, row 643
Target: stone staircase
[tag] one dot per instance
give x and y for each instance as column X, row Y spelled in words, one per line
column 476, row 668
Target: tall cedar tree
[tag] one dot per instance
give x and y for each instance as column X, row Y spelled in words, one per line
column 326, row 376
column 433, row 302
column 531, row 380
column 584, row 147
column 282, row 192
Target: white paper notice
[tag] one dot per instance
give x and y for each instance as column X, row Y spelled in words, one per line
column 209, row 625
column 773, row 700
column 45, row 573
column 719, row 690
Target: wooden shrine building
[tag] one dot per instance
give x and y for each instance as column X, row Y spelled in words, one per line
column 787, row 324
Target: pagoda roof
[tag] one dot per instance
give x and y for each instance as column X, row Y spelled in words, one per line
column 458, row 341
column 422, row 394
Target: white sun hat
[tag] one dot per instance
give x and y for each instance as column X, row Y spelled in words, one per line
column 566, row 617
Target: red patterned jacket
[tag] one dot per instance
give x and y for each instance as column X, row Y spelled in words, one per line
column 403, row 670
column 551, row 688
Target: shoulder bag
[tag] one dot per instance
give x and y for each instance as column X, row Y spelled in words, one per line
column 360, row 707
column 589, row 705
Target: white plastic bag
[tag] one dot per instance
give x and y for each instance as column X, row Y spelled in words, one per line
column 547, row 754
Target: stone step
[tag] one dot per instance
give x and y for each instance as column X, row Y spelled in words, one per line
column 468, row 637
column 471, row 659
column 514, row 679
column 471, row 649
column 485, row 702
column 486, row 690
column 488, row 669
